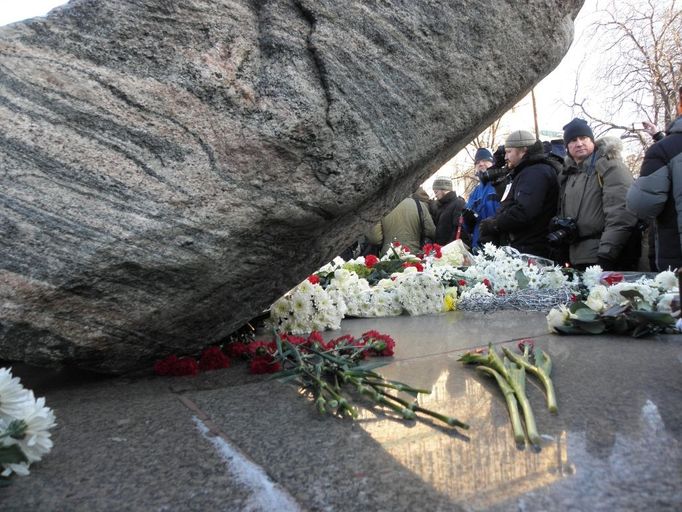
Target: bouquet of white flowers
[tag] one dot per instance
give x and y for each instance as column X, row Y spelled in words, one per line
column 24, row 426
column 307, row 308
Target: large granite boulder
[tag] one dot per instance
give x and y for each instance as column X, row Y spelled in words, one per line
column 169, row 168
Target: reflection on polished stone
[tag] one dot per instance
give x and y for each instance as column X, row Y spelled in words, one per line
column 488, row 465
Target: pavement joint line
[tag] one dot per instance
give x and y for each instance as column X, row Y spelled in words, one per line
column 266, row 494
column 453, row 351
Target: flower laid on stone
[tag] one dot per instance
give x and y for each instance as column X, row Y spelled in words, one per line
column 331, row 372
column 537, row 362
column 212, row 358
column 613, row 305
column 511, row 378
column 25, row 424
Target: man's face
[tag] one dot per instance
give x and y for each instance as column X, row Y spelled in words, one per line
column 439, row 193
column 482, row 165
column 580, row 148
column 513, row 156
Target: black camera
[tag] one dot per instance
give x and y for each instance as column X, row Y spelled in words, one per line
column 492, row 174
column 562, row 231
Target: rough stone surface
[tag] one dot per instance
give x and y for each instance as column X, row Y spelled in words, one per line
column 168, row 169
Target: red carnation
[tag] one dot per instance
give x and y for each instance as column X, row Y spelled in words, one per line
column 163, row 366
column 371, row 260
column 379, row 344
column 502, row 291
column 264, row 364
column 417, row 265
column 294, row 340
column 184, row 366
column 237, row 349
column 315, row 338
column 487, row 283
column 314, row 279
column 213, row 358
column 462, row 282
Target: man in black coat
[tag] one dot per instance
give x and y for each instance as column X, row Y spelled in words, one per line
column 529, row 201
column 657, row 194
column 449, row 210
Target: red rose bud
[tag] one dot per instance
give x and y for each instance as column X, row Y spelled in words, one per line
column 487, row 283
column 526, row 343
column 314, row 279
column 462, row 282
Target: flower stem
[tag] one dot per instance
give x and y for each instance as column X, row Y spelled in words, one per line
column 540, row 373
column 512, row 403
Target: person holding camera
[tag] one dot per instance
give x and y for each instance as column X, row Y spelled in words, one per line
column 484, row 199
column 529, row 201
column 657, row 194
column 593, row 220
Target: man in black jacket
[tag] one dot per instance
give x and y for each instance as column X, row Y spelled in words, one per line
column 449, row 208
column 529, row 201
column 657, row 194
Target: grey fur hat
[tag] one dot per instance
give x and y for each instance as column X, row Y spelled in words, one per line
column 442, row 183
column 520, row 139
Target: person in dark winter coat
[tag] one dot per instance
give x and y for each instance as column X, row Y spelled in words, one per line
column 530, row 200
column 450, row 206
column 594, row 183
column 657, row 194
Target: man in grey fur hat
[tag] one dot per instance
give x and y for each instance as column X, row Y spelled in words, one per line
column 529, row 200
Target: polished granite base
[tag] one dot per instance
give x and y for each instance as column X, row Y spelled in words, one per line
column 141, row 443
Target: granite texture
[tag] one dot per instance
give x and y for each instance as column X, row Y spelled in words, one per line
column 615, row 444
column 169, row 169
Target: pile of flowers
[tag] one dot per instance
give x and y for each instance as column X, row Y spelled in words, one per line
column 437, row 279
column 610, row 304
column 212, row 358
column 25, row 424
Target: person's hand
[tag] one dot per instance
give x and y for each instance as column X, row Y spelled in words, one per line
column 650, row 128
column 470, row 218
column 487, row 231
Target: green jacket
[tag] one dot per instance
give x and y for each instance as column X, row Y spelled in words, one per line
column 593, row 192
column 402, row 224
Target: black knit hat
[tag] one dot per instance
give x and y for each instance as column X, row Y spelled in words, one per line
column 577, row 128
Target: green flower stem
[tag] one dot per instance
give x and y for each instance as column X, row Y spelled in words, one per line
column 512, row 403
column 449, row 420
column 398, row 386
column 518, row 383
column 540, row 373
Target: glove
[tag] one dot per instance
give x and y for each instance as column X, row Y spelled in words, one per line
column 470, row 218
column 606, row 264
column 487, row 231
